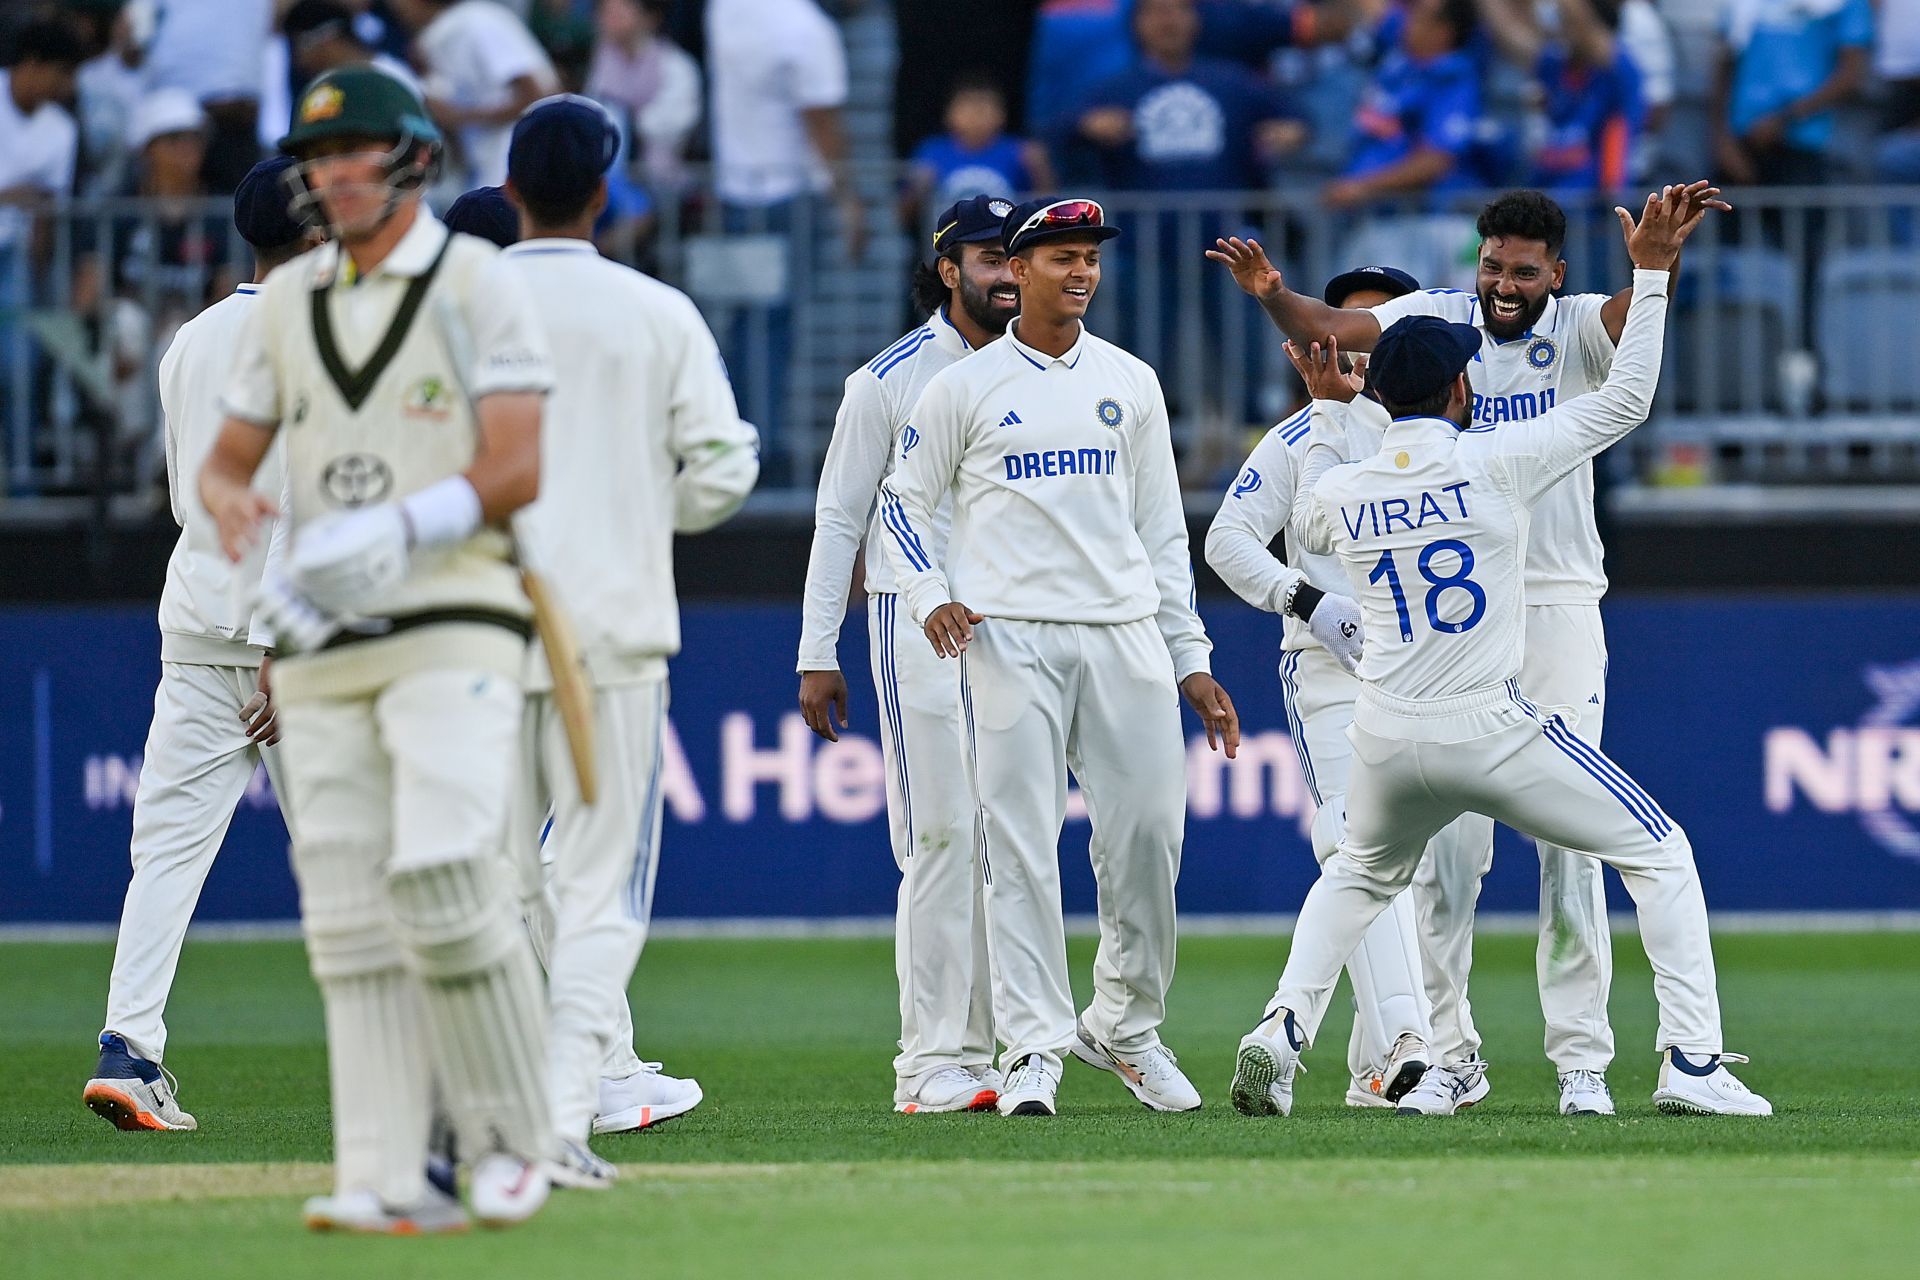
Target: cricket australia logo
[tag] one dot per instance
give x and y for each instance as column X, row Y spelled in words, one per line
column 1110, row 413
column 1871, row 770
column 1249, row 482
column 1541, row 353
column 430, row 397
column 355, row 479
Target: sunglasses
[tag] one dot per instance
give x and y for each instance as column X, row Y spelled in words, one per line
column 1064, row 215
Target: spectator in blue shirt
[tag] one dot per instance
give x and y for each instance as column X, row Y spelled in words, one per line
column 1417, row 123
column 1589, row 107
column 1784, row 66
column 1176, row 122
column 974, row 156
column 1076, row 45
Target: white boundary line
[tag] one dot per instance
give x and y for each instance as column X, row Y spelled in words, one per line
column 1502, row 922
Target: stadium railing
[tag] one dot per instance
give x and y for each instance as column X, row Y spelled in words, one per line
column 1791, row 356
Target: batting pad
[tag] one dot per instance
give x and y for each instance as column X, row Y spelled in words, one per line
column 376, row 1048
column 486, row 1013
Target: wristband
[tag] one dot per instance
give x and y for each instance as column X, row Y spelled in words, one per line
column 445, row 511
column 1302, row 600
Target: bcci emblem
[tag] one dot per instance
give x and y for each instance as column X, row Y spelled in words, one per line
column 1541, row 353
column 428, row 398
column 324, row 103
column 999, row 208
column 355, row 479
column 1110, row 413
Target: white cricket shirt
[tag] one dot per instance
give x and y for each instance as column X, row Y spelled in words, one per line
column 474, row 52
column 1565, row 354
column 767, row 61
column 36, row 151
column 865, row 433
column 210, row 48
column 1066, row 504
column 1432, row 533
column 206, row 608
column 641, row 439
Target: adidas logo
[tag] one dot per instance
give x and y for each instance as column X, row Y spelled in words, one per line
column 1011, row 420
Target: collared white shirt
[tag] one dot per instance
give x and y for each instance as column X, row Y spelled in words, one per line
column 210, row 48
column 1066, row 502
column 878, row 398
column 1566, row 353
column 767, row 61
column 35, row 151
column 474, row 52
column 641, row 440
column 1432, row 530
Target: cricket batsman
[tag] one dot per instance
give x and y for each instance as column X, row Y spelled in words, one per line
column 213, row 716
column 642, row 441
column 1067, row 592
column 945, row 1061
column 405, row 630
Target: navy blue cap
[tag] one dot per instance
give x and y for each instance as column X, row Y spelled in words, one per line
column 1391, row 281
column 1025, row 226
column 975, row 220
column 1418, row 356
column 485, row 212
column 562, row 146
column 262, row 205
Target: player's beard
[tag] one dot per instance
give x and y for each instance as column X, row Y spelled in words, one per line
column 1506, row 330
column 979, row 305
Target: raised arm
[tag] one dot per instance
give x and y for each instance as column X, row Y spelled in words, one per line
column 1702, row 198
column 1300, row 317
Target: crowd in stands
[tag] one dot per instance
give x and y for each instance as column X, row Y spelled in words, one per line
column 1356, row 103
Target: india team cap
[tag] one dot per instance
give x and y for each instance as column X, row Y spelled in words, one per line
column 562, row 146
column 485, row 212
column 975, row 220
column 262, row 203
column 1040, row 220
column 1418, row 356
column 1391, row 281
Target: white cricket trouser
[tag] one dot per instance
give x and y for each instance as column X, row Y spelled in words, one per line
column 940, row 925
column 196, row 767
column 589, row 921
column 1538, row 778
column 1390, row 998
column 1564, row 673
column 400, row 804
column 1042, row 698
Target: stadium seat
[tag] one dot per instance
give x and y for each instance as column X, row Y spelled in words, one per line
column 1867, row 315
column 1732, row 316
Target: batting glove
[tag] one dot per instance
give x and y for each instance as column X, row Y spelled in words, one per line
column 292, row 620
column 1336, row 625
column 343, row 560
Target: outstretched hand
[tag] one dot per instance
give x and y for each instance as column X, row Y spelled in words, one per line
column 1670, row 216
column 1248, row 263
column 1319, row 366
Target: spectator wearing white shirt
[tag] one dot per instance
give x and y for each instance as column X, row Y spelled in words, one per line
column 38, row 145
column 777, row 77
column 483, row 68
column 642, row 74
column 214, row 49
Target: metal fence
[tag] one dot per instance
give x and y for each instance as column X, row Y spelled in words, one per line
column 1793, row 354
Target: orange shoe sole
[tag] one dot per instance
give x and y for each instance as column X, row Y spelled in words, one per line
column 121, row 1110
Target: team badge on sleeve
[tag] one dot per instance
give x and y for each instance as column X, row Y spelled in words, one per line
column 1541, row 353
column 1249, row 482
column 908, row 438
column 1110, row 413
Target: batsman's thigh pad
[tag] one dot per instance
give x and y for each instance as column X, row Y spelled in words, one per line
column 454, row 739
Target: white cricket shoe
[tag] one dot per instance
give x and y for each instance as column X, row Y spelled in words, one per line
column 577, row 1168
column 1443, row 1091
column 506, row 1189
column 1032, row 1087
column 132, row 1092
column 1365, row 1093
column 989, row 1077
column 364, row 1213
column 1152, row 1075
column 1688, row 1089
column 647, row 1097
column 947, row 1089
column 1264, row 1068
column 1407, row 1065
column 1585, row 1093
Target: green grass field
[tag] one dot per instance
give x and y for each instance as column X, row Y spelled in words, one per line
column 796, row 1165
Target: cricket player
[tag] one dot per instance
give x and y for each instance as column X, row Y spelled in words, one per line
column 1067, row 587
column 1432, row 532
column 408, row 373
column 940, row 938
column 213, row 717
column 642, row 440
column 1388, row 1053
column 1539, row 350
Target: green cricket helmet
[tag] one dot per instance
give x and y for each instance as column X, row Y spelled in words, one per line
column 363, row 102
